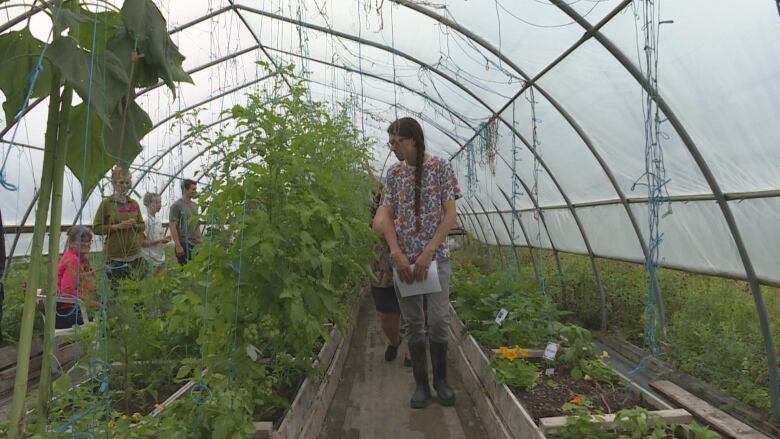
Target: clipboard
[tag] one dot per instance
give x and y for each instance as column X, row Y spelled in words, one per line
column 427, row 286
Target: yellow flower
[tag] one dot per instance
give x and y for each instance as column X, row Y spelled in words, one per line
column 511, row 355
column 136, row 416
column 604, row 354
column 124, row 417
column 159, row 406
column 577, row 399
column 111, row 424
column 521, row 352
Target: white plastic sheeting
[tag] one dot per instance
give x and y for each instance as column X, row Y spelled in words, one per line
column 718, row 66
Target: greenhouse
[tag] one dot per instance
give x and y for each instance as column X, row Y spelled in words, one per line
column 389, row 219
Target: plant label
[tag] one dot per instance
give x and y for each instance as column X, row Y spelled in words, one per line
column 550, row 351
column 549, row 371
column 501, row 316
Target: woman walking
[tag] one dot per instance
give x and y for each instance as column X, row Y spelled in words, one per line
column 416, row 213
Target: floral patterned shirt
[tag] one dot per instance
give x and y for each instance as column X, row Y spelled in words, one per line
column 438, row 185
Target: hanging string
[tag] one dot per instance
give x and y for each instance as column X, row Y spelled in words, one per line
column 395, row 81
column 538, row 213
column 655, row 179
column 515, row 195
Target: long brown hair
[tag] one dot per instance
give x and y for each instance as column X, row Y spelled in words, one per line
column 408, row 127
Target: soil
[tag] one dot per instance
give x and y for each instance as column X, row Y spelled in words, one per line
column 146, row 404
column 547, row 398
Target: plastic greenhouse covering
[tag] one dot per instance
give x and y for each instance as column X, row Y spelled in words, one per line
column 541, row 106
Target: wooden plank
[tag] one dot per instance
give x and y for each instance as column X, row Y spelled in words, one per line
column 318, row 410
column 263, row 429
column 64, row 355
column 702, row 410
column 492, row 422
column 8, row 354
column 456, row 325
column 674, row 416
column 296, row 417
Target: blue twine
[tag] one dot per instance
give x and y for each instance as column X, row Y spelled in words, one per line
column 201, row 389
column 654, row 179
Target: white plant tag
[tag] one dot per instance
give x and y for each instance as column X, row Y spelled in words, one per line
column 550, row 351
column 549, row 371
column 501, row 316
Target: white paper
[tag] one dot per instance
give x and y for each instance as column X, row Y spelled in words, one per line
column 427, row 286
column 551, row 351
column 502, row 315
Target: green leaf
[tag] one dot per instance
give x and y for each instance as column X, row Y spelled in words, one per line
column 183, row 372
column 576, row 373
column 109, row 79
column 104, row 146
column 327, row 266
column 19, row 53
column 108, row 23
column 66, row 19
column 148, row 31
column 297, row 313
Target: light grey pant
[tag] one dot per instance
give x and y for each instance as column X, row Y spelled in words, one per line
column 438, row 309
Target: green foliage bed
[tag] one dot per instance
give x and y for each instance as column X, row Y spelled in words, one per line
column 713, row 330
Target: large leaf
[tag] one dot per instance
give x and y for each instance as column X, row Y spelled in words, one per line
column 65, row 18
column 103, row 146
column 149, row 33
column 19, row 53
column 105, row 26
column 109, row 79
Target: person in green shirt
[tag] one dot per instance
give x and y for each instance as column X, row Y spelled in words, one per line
column 183, row 220
column 119, row 219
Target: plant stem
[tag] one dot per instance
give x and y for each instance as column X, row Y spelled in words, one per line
column 61, row 151
column 36, row 251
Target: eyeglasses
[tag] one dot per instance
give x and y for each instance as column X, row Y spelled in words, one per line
column 396, row 142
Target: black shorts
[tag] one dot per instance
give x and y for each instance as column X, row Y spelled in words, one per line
column 385, row 300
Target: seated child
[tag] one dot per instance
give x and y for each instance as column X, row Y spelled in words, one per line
column 75, row 278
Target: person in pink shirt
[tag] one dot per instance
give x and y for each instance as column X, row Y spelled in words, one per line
column 75, row 278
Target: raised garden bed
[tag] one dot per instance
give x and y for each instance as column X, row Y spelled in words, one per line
column 64, row 353
column 306, row 414
column 701, row 389
column 498, row 404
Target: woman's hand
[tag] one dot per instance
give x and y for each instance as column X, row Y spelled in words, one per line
column 126, row 224
column 422, row 263
column 401, row 264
